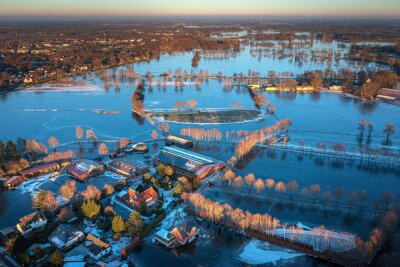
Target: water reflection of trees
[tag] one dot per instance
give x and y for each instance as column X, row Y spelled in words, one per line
column 243, row 162
column 285, row 95
column 366, row 107
column 139, row 119
column 315, row 96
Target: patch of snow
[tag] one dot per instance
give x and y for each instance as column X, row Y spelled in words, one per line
column 303, row 226
column 169, row 219
column 258, row 252
column 118, row 245
column 33, row 185
column 114, row 175
column 91, row 229
column 74, row 264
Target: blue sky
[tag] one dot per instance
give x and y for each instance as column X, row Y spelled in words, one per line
column 202, row 7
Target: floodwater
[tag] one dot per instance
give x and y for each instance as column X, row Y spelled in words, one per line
column 333, row 118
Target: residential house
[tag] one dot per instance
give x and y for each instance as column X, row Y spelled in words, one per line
column 96, row 248
column 180, row 233
column 66, row 236
column 128, row 168
column 148, row 197
column 84, row 169
column 31, row 222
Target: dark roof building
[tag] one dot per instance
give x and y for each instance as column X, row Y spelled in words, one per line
column 172, row 140
column 128, row 168
column 6, row 232
column 65, row 236
column 84, row 169
column 140, row 148
column 181, row 232
column 31, row 222
column 14, row 181
column 188, row 163
column 95, row 247
column 40, row 170
column 148, row 197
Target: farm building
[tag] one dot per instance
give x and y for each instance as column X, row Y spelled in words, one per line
column 84, row 169
column 172, row 140
column 40, row 170
column 14, row 181
column 128, row 168
column 188, row 163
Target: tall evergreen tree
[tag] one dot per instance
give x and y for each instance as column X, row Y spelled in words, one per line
column 134, row 223
column 2, row 153
column 56, row 258
column 12, row 152
column 118, row 225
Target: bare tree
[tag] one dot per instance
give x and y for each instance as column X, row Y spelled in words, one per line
column 123, row 142
column 361, row 126
column 249, row 178
column 292, row 186
column 304, row 194
column 91, row 193
column 68, row 190
column 315, row 189
column 103, row 150
column 238, row 182
column 53, row 142
column 259, row 185
column 78, row 133
column 280, row 187
column 229, row 176
column 338, row 192
column 270, row 183
column 154, row 134
column 389, row 130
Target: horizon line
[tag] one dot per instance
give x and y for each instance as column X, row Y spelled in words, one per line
column 198, row 16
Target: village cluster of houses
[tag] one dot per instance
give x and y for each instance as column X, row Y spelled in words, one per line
column 65, row 237
column 78, row 246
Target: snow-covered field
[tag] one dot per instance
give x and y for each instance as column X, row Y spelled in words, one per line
column 77, row 87
column 258, row 252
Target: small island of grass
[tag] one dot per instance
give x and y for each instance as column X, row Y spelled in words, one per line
column 205, row 115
